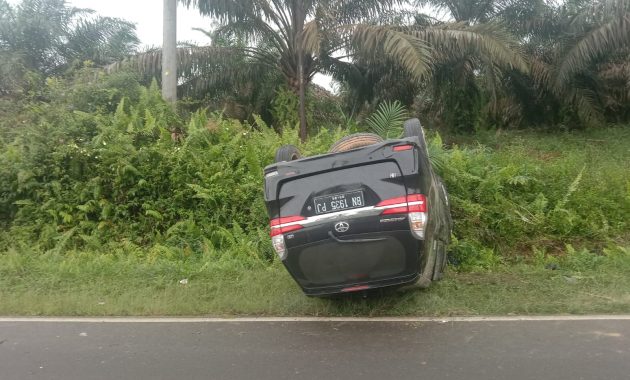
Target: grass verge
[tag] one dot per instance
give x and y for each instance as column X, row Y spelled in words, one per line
column 97, row 284
column 516, row 207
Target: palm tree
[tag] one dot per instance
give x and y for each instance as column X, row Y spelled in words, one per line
column 577, row 54
column 47, row 37
column 295, row 37
column 578, row 62
column 470, row 57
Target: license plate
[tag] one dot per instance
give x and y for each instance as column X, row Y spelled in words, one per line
column 339, row 202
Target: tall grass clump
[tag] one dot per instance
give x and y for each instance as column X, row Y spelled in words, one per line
column 529, row 191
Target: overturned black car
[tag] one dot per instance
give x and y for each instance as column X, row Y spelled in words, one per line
column 368, row 214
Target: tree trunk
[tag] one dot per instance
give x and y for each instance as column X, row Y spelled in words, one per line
column 299, row 18
column 302, row 97
column 169, row 52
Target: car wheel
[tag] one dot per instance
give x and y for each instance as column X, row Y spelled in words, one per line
column 356, row 140
column 413, row 128
column 287, row 153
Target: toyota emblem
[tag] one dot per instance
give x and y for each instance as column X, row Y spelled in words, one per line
column 342, row 227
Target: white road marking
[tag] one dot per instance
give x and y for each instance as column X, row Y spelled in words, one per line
column 314, row 319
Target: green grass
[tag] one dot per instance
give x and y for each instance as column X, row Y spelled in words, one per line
column 503, row 258
column 97, row 284
column 523, row 190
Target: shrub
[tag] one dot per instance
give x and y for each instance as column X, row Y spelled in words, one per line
column 537, row 191
column 77, row 171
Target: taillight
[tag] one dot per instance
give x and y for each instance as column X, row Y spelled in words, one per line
column 279, row 247
column 399, row 148
column 284, row 220
column 283, row 230
column 281, row 226
column 403, row 205
column 418, row 223
column 285, row 224
column 415, row 205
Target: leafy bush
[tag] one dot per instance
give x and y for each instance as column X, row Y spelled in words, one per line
column 323, row 111
column 96, row 164
column 77, row 173
column 536, row 192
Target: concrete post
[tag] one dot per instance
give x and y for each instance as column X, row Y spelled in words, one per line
column 169, row 52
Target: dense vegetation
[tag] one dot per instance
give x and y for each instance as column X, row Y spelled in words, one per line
column 94, row 161
column 102, row 164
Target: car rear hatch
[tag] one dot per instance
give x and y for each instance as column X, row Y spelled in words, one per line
column 342, row 220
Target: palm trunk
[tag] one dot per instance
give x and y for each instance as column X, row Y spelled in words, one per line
column 299, row 18
column 302, row 98
column 169, row 52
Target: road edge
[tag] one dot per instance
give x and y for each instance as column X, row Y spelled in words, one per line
column 509, row 318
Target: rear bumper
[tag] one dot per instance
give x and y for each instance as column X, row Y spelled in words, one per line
column 339, row 289
column 332, row 266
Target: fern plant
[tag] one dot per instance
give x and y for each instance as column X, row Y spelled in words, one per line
column 387, row 121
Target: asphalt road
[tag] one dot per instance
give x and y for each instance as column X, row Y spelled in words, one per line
column 556, row 349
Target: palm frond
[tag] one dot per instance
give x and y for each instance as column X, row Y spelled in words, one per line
column 490, row 41
column 411, row 52
column 208, row 33
column 607, row 38
column 311, row 38
column 388, row 119
column 200, row 68
column 353, row 12
column 50, row 36
column 540, row 71
column 254, row 31
column 103, row 40
column 224, row 10
column 342, row 71
column 587, row 106
column 619, row 71
column 614, row 7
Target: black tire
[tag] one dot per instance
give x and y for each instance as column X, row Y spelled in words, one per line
column 356, row 140
column 413, row 128
column 287, row 153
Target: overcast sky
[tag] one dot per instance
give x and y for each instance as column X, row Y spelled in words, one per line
column 147, row 15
